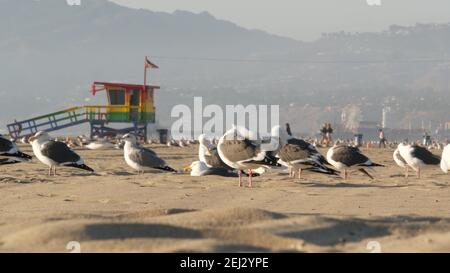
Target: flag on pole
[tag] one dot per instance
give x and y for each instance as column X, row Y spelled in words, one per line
column 149, row 64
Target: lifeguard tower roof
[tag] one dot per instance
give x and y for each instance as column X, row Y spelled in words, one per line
column 127, row 86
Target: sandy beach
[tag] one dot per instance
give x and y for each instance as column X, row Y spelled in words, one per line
column 116, row 210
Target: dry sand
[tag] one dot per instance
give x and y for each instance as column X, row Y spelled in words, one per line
column 116, row 210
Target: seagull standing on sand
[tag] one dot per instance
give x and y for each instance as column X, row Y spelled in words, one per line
column 401, row 162
column 54, row 153
column 445, row 159
column 239, row 149
column 298, row 154
column 418, row 157
column 9, row 149
column 344, row 157
column 142, row 159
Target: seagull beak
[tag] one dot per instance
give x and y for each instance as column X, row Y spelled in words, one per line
column 187, row 169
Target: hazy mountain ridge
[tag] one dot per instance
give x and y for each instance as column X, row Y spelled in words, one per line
column 53, row 52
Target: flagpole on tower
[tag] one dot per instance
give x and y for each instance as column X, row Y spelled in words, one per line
column 145, row 72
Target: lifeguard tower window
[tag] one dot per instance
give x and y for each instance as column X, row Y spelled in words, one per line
column 116, row 97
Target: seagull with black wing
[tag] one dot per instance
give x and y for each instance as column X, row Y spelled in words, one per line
column 418, row 157
column 344, row 157
column 300, row 155
column 11, row 152
column 55, row 153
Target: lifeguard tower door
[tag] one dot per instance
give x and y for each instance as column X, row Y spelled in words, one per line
column 134, row 103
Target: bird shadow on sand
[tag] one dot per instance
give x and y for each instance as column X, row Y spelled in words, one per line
column 442, row 185
column 355, row 230
column 130, row 230
column 122, row 173
column 78, row 174
column 239, row 248
column 349, row 185
column 339, row 231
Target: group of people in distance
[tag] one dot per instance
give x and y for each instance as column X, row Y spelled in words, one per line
column 326, row 135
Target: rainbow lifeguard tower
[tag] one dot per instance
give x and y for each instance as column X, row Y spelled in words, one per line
column 127, row 103
column 130, row 107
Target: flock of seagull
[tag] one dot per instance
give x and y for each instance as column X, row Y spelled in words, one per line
column 239, row 152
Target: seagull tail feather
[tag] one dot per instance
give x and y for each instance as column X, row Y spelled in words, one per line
column 323, row 169
column 19, row 155
column 376, row 165
column 81, row 166
column 167, row 169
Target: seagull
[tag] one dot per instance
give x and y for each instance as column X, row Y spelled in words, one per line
column 401, row 162
column 445, row 160
column 9, row 149
column 418, row 157
column 344, row 157
column 100, row 145
column 142, row 159
column 208, row 154
column 55, row 153
column 239, row 150
column 298, row 154
column 199, row 168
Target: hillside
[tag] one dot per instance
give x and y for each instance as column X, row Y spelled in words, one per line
column 51, row 52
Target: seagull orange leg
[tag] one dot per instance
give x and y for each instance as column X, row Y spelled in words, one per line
column 240, row 178
column 250, row 180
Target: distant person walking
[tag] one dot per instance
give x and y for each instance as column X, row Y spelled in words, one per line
column 426, row 139
column 382, row 138
column 323, row 134
column 288, row 129
column 329, row 134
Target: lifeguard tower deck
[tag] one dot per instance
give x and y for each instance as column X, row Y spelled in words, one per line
column 127, row 104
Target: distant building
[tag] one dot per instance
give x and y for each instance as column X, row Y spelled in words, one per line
column 447, row 126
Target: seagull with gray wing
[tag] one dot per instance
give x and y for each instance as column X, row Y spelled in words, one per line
column 142, row 159
column 55, row 153
column 241, row 150
column 208, row 154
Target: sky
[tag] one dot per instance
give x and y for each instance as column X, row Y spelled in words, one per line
column 307, row 19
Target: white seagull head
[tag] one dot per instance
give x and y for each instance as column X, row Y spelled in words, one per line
column 197, row 168
column 130, row 138
column 39, row 136
column 281, row 134
column 202, row 140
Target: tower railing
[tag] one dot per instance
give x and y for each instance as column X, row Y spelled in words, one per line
column 75, row 116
